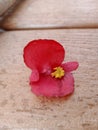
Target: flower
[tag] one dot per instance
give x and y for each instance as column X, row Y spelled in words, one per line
column 50, row 77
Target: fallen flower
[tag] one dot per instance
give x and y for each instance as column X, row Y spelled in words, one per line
column 50, row 77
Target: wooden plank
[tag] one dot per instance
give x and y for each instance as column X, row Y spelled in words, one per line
column 53, row 14
column 19, row 108
column 4, row 7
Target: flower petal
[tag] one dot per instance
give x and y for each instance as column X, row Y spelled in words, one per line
column 40, row 53
column 67, row 84
column 70, row 66
column 46, row 86
column 34, row 75
column 51, row 87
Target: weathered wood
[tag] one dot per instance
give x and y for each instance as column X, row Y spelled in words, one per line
column 53, row 14
column 5, row 5
column 19, row 108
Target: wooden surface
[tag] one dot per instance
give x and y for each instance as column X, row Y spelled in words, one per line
column 31, row 14
column 21, row 109
column 4, row 7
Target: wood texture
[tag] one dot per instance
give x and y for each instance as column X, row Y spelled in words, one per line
column 5, row 5
column 53, row 14
column 20, row 109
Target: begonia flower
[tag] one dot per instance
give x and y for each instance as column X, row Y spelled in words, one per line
column 50, row 77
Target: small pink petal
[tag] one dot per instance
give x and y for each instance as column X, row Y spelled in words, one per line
column 67, row 84
column 34, row 75
column 70, row 66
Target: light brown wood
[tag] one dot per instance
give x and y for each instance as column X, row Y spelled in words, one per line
column 53, row 14
column 21, row 109
column 5, row 5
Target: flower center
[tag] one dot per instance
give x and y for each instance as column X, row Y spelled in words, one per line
column 58, row 72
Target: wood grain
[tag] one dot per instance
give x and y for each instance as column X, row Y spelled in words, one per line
column 33, row 14
column 4, row 7
column 20, row 109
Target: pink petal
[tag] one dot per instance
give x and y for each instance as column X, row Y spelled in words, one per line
column 70, row 66
column 34, row 75
column 67, row 85
column 51, row 87
column 40, row 53
column 46, row 86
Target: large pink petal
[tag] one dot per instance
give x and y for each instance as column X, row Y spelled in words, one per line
column 51, row 87
column 43, row 53
column 70, row 66
column 46, row 86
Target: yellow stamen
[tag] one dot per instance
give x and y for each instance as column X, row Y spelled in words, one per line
column 58, row 73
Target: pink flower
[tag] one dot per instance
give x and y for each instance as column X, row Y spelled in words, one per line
column 50, row 77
